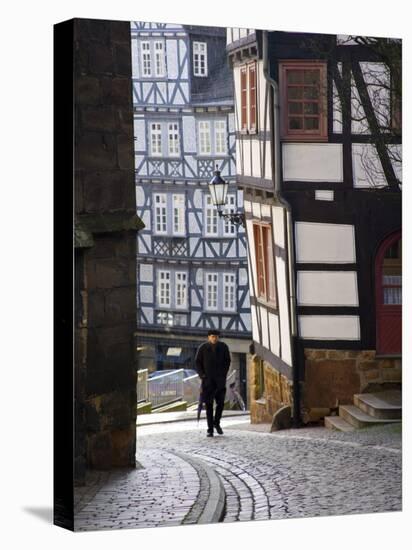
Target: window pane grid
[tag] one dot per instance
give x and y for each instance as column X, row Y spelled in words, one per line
column 211, row 217
column 146, row 61
column 160, row 213
column 164, row 288
column 229, row 291
column 211, row 290
column 181, row 289
column 204, row 138
column 159, row 59
column 174, row 148
column 199, row 59
column 229, row 227
column 220, row 137
column 156, row 139
column 178, row 214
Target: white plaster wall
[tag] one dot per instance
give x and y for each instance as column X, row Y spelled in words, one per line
column 325, row 243
column 146, row 273
column 247, row 206
column 256, row 162
column 139, row 196
column 256, row 210
column 148, row 312
column 146, row 294
column 312, row 162
column 182, row 51
column 143, row 169
column 265, row 326
column 329, row 327
column 251, row 256
column 135, row 58
column 327, row 288
column 139, row 134
column 274, row 333
column 199, row 277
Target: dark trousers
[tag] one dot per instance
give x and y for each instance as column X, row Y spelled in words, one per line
column 213, row 392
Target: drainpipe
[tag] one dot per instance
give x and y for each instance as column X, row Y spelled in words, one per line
column 297, row 356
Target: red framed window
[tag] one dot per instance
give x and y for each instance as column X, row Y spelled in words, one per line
column 388, row 280
column 248, row 97
column 243, row 97
column 265, row 266
column 303, row 100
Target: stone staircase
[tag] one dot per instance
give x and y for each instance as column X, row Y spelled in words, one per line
column 368, row 409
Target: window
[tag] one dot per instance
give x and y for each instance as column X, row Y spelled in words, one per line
column 303, row 100
column 181, row 289
column 173, row 131
column 229, row 228
column 178, row 214
column 229, row 287
column 211, row 217
column 200, row 58
column 159, row 59
column 211, row 290
column 168, row 280
column 265, row 267
column 164, row 288
column 156, row 139
column 169, row 214
column 146, row 59
column 160, row 212
column 204, row 138
column 248, row 97
column 164, row 318
column 220, row 291
column 220, row 137
column 153, row 51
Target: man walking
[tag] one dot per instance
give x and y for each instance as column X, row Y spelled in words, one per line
column 212, row 364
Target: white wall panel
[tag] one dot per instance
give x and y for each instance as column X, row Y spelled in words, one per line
column 148, row 312
column 139, row 134
column 182, row 52
column 139, row 196
column 312, row 162
column 256, row 210
column 146, row 294
column 274, row 333
column 327, row 288
column 255, row 330
column 265, row 326
column 329, row 327
column 135, row 58
column 325, row 243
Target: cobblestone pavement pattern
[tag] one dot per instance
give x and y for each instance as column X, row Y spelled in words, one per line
column 292, row 473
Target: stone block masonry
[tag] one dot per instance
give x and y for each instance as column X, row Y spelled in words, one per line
column 105, row 209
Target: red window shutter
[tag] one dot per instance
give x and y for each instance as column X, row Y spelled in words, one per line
column 243, row 97
column 252, row 96
column 269, row 266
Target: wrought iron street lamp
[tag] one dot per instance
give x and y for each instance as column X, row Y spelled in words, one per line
column 218, row 191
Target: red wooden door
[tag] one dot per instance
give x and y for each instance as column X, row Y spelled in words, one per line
column 388, row 272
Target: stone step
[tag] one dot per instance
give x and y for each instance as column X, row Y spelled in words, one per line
column 360, row 419
column 337, row 423
column 383, row 405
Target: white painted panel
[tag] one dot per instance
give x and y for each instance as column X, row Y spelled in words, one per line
column 185, row 89
column 146, row 293
column 265, row 326
column 324, row 195
column 194, row 299
column 367, row 167
column 262, row 84
column 195, row 316
column 242, row 276
column 197, row 198
column 251, row 256
column 329, row 327
column 182, row 51
column 266, row 210
column 147, row 86
column 246, row 148
column 140, row 135
column 312, row 162
column 278, row 226
column 162, row 88
column 139, row 196
column 142, row 171
column 135, row 58
column 247, row 206
column 146, row 272
column 171, row 56
column 327, row 288
column 247, row 321
column 268, row 160
column 274, row 333
column 256, row 158
column 232, row 249
column 283, row 306
column 255, row 330
column 193, row 224
column 199, row 277
column 148, row 312
column 256, row 210
column 225, row 322
column 147, row 218
column 325, row 243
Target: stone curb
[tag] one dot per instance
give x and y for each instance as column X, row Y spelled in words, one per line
column 215, row 504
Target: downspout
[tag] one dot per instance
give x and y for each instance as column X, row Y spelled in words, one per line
column 296, row 351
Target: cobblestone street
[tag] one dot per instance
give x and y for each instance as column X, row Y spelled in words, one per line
column 260, row 475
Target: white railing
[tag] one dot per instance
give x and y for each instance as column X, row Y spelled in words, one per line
column 166, row 388
column 142, row 386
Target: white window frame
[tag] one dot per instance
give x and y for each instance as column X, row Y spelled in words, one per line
column 205, row 141
column 220, row 130
column 146, row 58
column 181, row 281
column 199, row 57
column 229, row 291
column 160, row 213
column 164, row 318
column 178, row 214
column 159, row 58
column 212, row 289
column 164, row 288
column 173, row 141
column 211, row 215
column 156, row 139
column 229, row 228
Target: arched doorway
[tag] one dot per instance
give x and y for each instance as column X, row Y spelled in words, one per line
column 388, row 282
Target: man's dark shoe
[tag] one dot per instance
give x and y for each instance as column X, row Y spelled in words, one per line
column 209, row 433
column 218, row 429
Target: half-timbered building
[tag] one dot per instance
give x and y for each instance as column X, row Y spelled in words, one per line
column 192, row 263
column 319, row 162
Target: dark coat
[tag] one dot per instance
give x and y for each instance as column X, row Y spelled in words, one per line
column 212, row 362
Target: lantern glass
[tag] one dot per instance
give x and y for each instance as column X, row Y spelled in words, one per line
column 218, row 190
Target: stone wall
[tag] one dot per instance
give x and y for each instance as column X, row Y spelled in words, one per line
column 276, row 394
column 106, row 225
column 332, row 377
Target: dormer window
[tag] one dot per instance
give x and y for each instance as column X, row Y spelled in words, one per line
column 200, row 58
